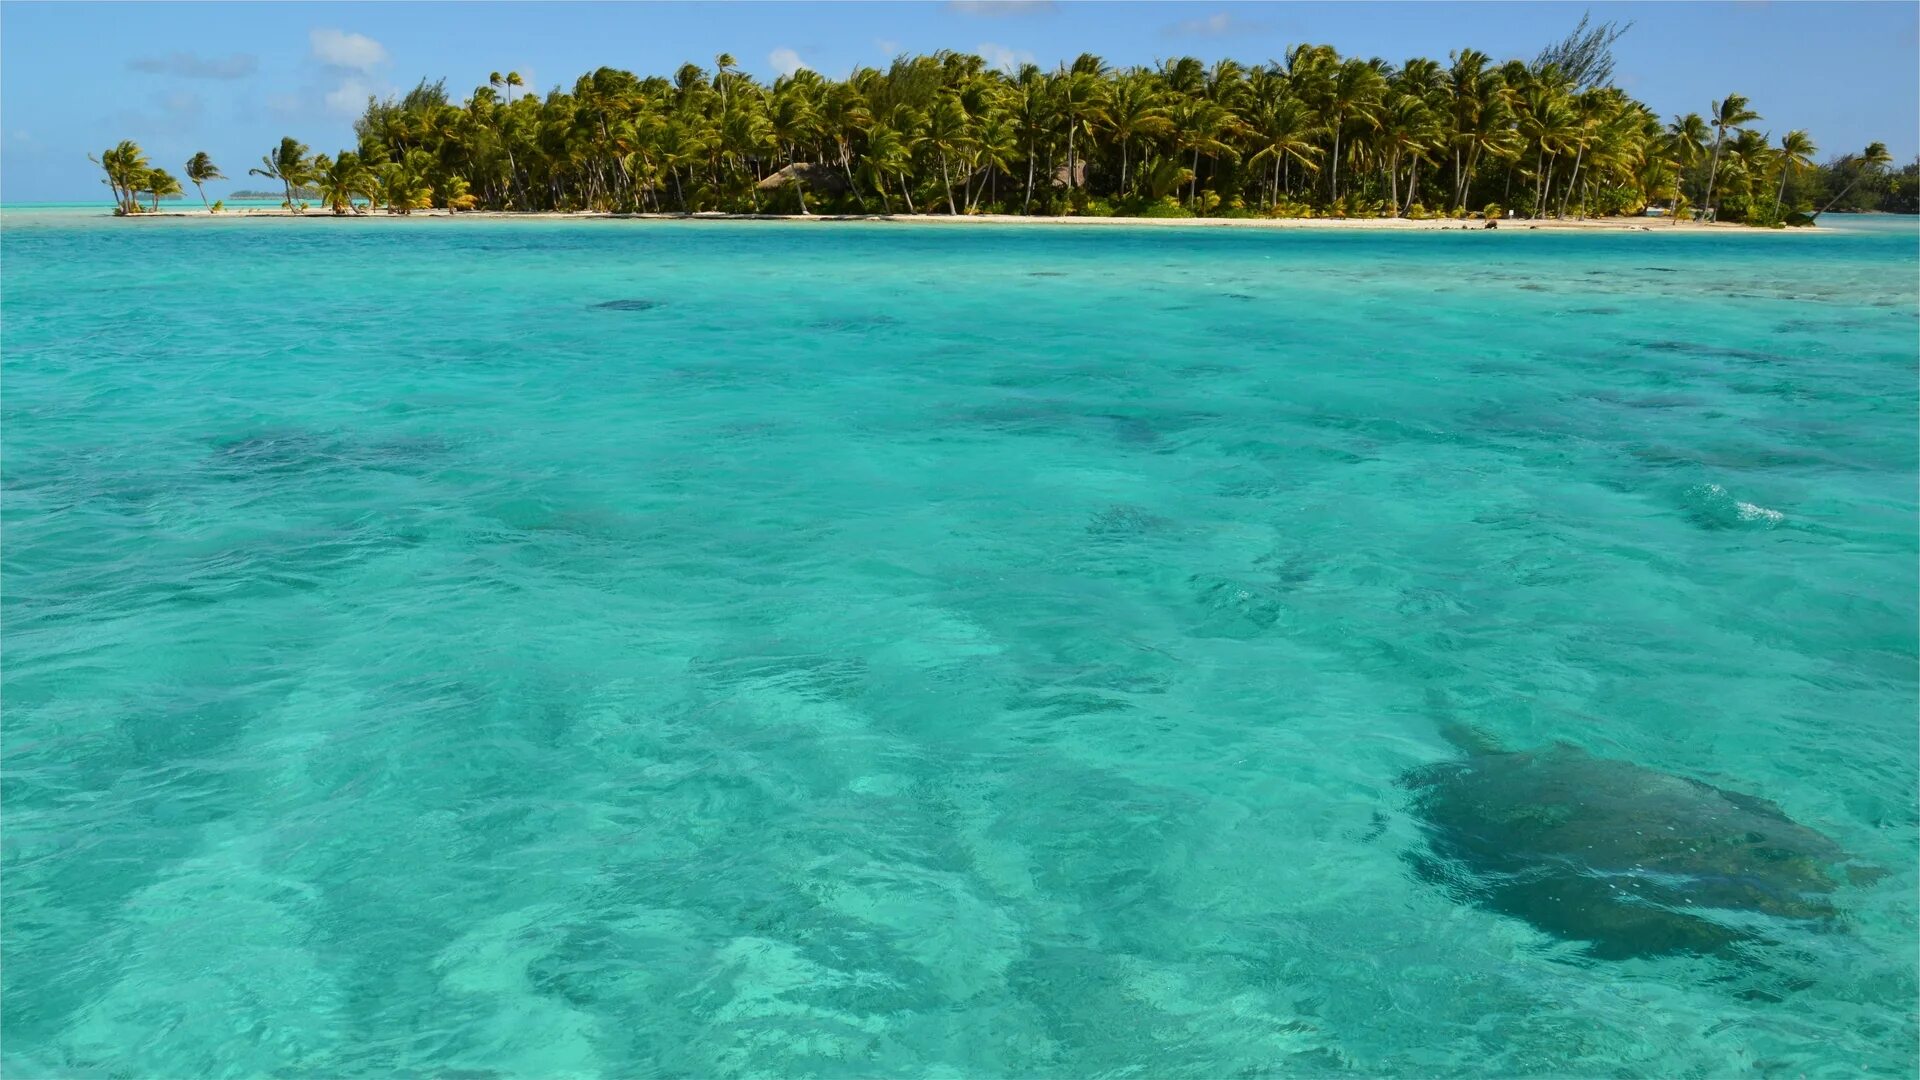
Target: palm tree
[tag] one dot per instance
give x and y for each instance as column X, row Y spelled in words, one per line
column 126, row 167
column 1352, row 92
column 947, row 134
column 160, row 183
column 1129, row 109
column 1731, row 112
column 457, row 195
column 200, row 169
column 1033, row 116
column 343, row 178
column 1201, row 126
column 1796, row 152
column 1283, row 132
column 1074, row 104
column 996, row 142
column 1407, row 131
column 1870, row 161
column 513, row 79
column 287, row 164
column 403, row 187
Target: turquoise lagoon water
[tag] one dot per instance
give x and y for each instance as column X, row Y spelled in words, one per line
column 878, row 650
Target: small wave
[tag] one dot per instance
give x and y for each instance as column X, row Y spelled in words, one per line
column 1711, row 506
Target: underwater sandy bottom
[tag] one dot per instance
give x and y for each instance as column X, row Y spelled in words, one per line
column 870, row 651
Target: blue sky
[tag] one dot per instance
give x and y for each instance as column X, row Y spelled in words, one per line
column 232, row 78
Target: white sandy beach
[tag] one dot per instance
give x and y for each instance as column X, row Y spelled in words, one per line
column 1613, row 224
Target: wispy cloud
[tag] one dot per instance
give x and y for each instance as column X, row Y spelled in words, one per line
column 177, row 113
column 350, row 97
column 785, row 61
column 349, row 51
column 1000, row 8
column 1002, row 57
column 187, row 65
column 887, row 46
column 1218, row 24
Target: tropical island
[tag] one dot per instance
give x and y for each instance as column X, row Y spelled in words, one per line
column 1316, row 135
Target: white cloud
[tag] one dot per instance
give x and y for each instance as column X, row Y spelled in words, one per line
column 785, row 60
column 887, row 46
column 341, row 49
column 1218, row 24
column 992, row 8
column 188, row 65
column 1002, row 57
column 350, row 97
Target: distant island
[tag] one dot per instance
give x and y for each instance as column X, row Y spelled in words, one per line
column 307, row 193
column 1314, row 135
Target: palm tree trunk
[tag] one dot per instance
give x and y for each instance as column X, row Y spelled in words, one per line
column 1572, row 180
column 906, row 192
column 1713, row 171
column 1027, row 208
column 203, row 195
column 1123, row 168
column 846, row 165
column 1333, row 184
column 948, row 180
column 1070, row 129
column 1835, row 201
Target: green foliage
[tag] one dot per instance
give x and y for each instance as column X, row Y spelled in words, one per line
column 947, row 133
column 218, row 205
column 1164, row 207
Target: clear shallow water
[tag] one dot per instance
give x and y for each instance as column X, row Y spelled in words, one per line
column 909, row 651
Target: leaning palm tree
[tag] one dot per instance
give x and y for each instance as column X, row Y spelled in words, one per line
column 125, row 166
column 200, row 169
column 1869, row 162
column 1796, row 152
column 288, row 164
column 1729, row 113
column 341, row 179
column 159, row 184
column 403, row 188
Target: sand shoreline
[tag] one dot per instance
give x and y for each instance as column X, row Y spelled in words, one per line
column 1638, row 224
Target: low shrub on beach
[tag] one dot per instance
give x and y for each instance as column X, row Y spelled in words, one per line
column 1164, row 208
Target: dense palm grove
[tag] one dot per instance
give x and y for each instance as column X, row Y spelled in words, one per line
column 1315, row 134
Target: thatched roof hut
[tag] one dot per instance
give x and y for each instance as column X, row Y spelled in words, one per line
column 817, row 176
